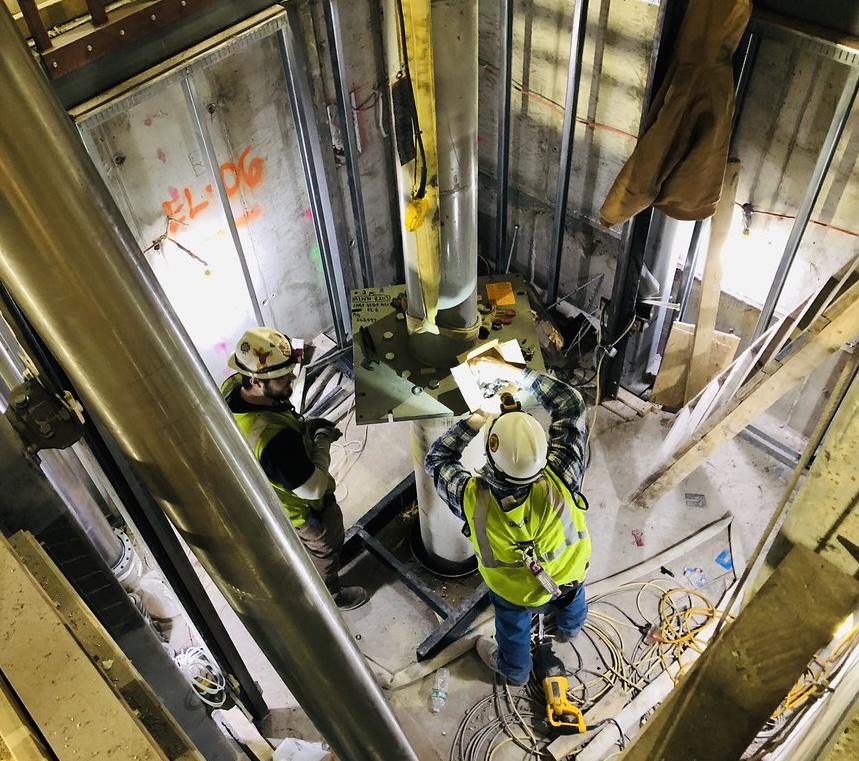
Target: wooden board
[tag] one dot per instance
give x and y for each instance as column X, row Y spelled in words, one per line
column 823, row 512
column 723, row 701
column 19, row 737
column 101, row 649
column 619, row 409
column 701, row 371
column 77, row 711
column 641, row 406
column 669, row 389
column 837, row 325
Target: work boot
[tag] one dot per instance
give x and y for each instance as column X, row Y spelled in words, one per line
column 561, row 636
column 487, row 649
column 349, row 598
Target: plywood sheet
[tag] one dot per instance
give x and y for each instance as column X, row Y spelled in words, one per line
column 101, row 648
column 669, row 389
column 77, row 711
column 18, row 738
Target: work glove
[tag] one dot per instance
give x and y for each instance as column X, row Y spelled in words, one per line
column 327, row 434
column 314, row 424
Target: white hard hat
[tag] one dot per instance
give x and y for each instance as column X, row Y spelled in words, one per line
column 516, row 447
column 263, row 353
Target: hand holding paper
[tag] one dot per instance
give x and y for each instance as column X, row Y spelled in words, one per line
column 489, row 369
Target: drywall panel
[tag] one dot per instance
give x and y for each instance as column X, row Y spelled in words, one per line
column 151, row 156
column 787, row 112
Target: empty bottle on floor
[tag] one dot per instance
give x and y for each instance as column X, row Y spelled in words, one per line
column 439, row 690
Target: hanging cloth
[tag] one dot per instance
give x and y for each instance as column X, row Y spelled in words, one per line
column 679, row 162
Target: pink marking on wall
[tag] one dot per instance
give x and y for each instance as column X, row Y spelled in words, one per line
column 148, row 121
column 162, row 157
column 308, row 214
column 174, row 192
column 220, row 347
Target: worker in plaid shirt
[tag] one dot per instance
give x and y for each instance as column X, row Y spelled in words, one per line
column 523, row 511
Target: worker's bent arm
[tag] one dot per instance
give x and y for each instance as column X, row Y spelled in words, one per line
column 303, row 471
column 568, row 430
column 443, row 464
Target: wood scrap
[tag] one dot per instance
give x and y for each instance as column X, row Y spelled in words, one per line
column 77, row 710
column 619, row 409
column 669, row 388
column 641, row 406
column 99, row 647
column 17, row 733
column 835, row 326
column 701, row 371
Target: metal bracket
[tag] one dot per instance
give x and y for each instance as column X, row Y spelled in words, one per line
column 41, row 419
column 361, row 536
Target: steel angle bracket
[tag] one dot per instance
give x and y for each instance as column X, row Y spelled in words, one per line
column 390, row 384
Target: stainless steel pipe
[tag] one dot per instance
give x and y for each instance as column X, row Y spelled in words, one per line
column 73, row 266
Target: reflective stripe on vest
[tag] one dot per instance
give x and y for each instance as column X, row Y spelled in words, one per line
column 558, row 504
column 550, row 516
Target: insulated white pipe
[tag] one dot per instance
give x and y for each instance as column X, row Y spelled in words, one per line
column 449, row 552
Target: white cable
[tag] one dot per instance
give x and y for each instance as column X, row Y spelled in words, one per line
column 205, row 677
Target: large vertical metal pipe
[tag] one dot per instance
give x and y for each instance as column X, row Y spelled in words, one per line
column 73, row 266
column 454, row 44
column 65, row 472
column 454, row 35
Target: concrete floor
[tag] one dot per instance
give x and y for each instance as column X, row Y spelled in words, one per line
column 739, row 479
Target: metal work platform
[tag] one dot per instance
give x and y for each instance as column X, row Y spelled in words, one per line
column 363, row 536
column 390, row 384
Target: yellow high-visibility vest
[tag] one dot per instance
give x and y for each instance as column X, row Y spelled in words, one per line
column 551, row 519
column 259, row 428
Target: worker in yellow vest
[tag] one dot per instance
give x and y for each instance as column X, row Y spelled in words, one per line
column 523, row 511
column 294, row 451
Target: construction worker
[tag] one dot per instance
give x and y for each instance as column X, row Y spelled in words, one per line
column 523, row 512
column 294, row 451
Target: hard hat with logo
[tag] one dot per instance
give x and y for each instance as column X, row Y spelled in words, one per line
column 516, row 447
column 263, row 353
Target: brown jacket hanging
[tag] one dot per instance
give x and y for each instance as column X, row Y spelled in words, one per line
column 678, row 164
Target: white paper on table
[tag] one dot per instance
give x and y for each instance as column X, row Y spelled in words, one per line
column 466, row 381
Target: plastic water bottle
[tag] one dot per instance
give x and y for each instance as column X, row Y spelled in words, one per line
column 439, row 690
column 696, row 576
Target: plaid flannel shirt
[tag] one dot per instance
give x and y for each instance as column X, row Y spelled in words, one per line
column 567, row 439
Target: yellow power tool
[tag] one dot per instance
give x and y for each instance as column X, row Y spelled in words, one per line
column 563, row 717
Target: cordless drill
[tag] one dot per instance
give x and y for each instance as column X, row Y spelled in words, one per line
column 562, row 715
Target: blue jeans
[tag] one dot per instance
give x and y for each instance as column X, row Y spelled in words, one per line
column 513, row 628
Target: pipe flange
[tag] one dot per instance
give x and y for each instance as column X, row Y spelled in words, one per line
column 127, row 568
